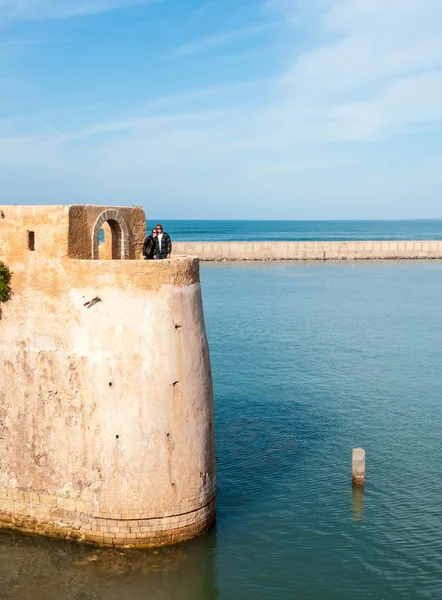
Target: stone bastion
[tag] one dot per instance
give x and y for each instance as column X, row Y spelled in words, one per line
column 106, row 402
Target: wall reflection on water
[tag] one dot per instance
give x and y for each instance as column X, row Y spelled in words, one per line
column 42, row 569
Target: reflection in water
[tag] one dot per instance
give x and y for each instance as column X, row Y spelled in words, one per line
column 44, row 569
column 357, row 502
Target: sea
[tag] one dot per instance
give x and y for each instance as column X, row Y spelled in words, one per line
column 283, row 231
column 309, row 360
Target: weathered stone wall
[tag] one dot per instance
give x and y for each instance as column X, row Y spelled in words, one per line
column 65, row 231
column 367, row 250
column 106, row 406
column 49, row 224
column 81, row 222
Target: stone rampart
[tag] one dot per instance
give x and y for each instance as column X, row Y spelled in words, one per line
column 366, row 250
column 106, row 404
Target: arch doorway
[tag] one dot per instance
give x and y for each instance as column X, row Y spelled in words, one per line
column 116, row 237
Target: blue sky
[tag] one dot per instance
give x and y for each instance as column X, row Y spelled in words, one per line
column 282, row 109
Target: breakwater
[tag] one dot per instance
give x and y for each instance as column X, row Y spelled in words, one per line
column 346, row 250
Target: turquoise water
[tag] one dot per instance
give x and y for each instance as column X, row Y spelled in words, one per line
column 232, row 231
column 309, row 360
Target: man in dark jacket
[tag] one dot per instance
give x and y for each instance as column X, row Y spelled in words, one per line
column 163, row 245
column 149, row 245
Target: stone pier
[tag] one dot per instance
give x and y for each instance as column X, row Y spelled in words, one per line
column 367, row 250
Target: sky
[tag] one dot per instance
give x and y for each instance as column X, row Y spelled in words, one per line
column 224, row 109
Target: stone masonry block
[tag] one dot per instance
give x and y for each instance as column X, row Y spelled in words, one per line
column 66, row 504
column 17, row 494
column 48, row 500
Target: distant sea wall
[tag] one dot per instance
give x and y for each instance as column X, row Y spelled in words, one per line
column 365, row 250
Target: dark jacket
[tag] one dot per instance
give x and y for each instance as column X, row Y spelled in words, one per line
column 166, row 245
column 149, row 247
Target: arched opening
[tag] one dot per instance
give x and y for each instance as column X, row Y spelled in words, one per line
column 107, row 250
column 110, row 237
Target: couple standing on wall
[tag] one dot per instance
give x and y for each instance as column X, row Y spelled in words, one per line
column 157, row 245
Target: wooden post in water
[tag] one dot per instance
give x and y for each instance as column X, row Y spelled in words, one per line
column 358, row 466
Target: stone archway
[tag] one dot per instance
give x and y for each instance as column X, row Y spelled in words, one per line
column 119, row 232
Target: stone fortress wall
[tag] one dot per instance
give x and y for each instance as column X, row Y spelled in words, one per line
column 106, row 403
column 366, row 250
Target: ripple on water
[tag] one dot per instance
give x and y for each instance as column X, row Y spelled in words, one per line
column 343, row 357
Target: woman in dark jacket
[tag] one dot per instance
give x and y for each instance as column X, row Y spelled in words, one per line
column 149, row 245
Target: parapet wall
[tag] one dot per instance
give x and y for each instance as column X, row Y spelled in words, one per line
column 366, row 250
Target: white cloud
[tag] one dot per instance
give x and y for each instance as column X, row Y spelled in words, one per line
column 214, row 41
column 16, row 10
column 372, row 41
column 414, row 101
column 362, row 77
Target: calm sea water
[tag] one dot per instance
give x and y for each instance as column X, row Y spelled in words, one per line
column 309, row 360
column 301, row 230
